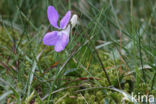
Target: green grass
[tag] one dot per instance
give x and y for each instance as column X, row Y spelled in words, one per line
column 111, row 52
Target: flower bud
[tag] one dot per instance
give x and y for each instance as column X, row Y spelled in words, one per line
column 74, row 20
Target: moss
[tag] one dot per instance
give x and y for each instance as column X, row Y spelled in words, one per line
column 80, row 99
column 96, row 96
column 99, row 95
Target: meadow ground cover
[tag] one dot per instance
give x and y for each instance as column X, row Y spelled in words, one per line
column 108, row 57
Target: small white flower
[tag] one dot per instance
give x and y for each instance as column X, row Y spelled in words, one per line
column 74, row 20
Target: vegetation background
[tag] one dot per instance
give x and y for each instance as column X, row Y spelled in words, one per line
column 111, row 53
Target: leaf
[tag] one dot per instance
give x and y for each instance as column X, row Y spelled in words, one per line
column 126, row 95
column 5, row 95
column 72, row 72
column 29, row 98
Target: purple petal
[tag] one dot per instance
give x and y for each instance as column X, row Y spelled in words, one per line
column 62, row 42
column 65, row 20
column 53, row 16
column 51, row 38
column 65, row 39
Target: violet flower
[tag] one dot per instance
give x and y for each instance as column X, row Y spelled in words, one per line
column 58, row 39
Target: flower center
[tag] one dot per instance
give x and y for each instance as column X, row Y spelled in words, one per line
column 60, row 33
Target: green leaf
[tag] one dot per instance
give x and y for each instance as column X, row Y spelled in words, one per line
column 73, row 72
